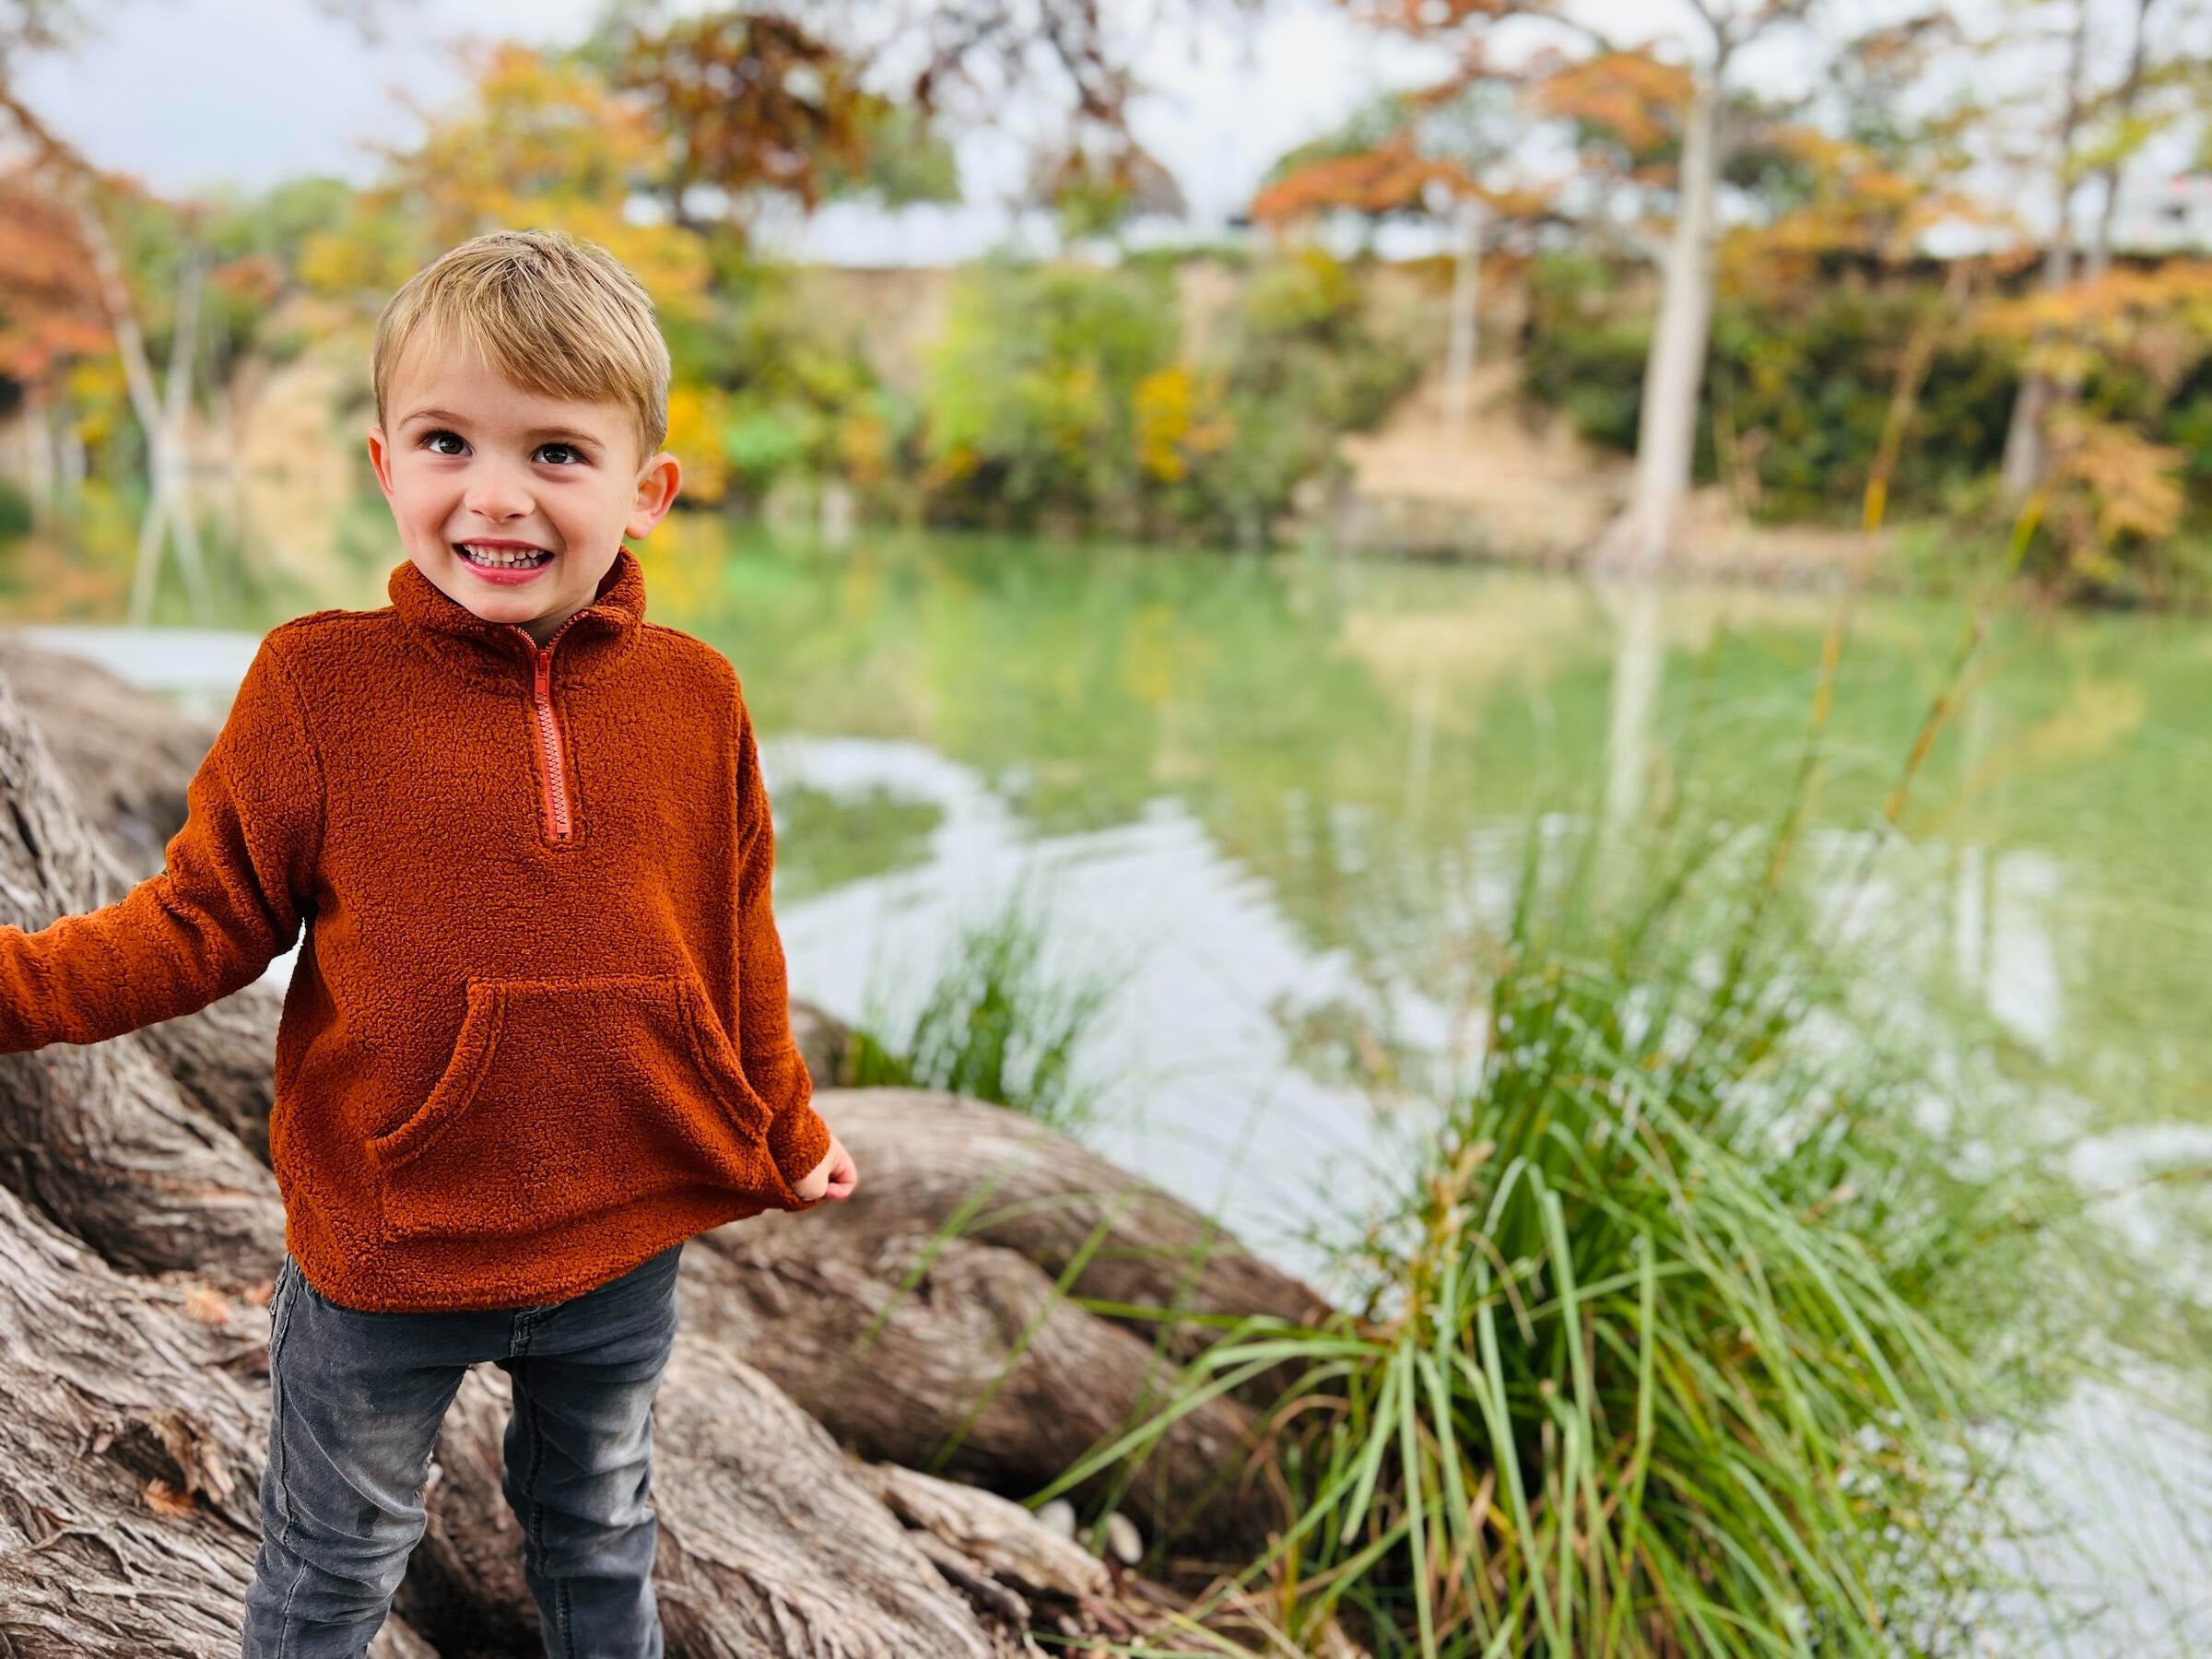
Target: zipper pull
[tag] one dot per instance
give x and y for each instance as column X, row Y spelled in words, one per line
column 545, row 671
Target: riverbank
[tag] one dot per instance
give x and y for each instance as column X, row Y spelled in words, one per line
column 1510, row 484
column 1510, row 481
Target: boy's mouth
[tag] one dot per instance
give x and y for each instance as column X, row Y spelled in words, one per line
column 502, row 562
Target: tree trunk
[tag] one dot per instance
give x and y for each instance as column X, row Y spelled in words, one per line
column 130, row 1457
column 162, row 421
column 963, row 1349
column 97, row 1137
column 2067, row 390
column 131, row 1158
column 41, row 461
column 1674, row 370
column 2027, row 450
column 1459, row 349
column 130, row 753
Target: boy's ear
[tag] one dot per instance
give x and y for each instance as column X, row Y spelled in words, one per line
column 658, row 483
column 380, row 457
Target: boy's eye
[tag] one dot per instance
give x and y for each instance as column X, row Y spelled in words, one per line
column 433, row 440
column 561, row 454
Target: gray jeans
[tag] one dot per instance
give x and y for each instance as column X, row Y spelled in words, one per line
column 356, row 1402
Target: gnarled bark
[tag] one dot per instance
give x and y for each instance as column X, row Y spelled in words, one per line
column 126, row 753
column 130, row 1457
column 97, row 1136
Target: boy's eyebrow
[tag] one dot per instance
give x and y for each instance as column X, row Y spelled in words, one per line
column 566, row 434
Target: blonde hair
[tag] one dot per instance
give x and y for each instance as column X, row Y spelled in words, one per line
column 557, row 316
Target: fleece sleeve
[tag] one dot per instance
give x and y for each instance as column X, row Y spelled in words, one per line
column 797, row 1138
column 230, row 897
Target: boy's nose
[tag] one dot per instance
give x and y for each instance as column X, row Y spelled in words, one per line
column 495, row 493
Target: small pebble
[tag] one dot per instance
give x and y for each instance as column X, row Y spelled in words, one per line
column 1058, row 1516
column 1121, row 1540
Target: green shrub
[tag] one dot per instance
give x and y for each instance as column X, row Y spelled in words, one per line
column 1805, row 388
column 1585, row 348
column 1304, row 367
column 1031, row 404
column 781, row 387
column 994, row 1027
column 1681, row 1336
column 16, row 517
column 1062, row 394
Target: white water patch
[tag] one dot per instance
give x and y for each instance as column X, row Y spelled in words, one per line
column 2023, row 985
column 200, row 668
column 2121, row 1562
column 1199, row 1091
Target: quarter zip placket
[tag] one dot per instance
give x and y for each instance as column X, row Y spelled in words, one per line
column 554, row 796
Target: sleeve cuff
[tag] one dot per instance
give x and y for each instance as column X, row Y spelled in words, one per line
column 798, row 1140
column 798, row 1137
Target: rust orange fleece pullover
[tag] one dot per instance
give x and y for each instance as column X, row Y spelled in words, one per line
column 538, row 1030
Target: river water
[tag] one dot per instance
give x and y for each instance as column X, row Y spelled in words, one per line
column 1267, row 794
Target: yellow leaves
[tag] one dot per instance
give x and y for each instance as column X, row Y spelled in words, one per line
column 542, row 144
column 1857, row 203
column 695, row 418
column 2157, row 318
column 99, row 395
column 957, row 461
column 2133, row 480
column 1163, row 416
column 2111, row 485
column 863, row 448
column 1179, row 417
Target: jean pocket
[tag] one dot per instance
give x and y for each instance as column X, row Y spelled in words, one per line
column 563, row 1100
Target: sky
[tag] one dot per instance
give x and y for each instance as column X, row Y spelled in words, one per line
column 184, row 94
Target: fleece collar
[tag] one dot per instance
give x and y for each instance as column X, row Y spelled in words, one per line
column 589, row 643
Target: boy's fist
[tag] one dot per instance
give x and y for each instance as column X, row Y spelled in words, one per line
column 834, row 1177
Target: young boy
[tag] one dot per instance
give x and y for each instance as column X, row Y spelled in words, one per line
column 538, row 1034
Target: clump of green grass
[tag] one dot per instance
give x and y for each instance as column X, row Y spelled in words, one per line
column 995, row 1026
column 1685, row 1338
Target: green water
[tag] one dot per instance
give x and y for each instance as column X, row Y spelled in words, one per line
column 1274, row 793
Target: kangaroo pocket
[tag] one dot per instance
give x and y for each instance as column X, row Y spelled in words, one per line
column 566, row 1098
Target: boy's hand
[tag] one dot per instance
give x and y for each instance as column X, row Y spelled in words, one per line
column 834, row 1177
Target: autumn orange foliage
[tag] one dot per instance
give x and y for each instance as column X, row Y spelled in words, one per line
column 48, row 313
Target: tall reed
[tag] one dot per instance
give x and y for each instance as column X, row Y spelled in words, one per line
column 993, row 1025
column 1668, row 1350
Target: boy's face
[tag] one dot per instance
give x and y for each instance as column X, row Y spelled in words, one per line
column 472, row 461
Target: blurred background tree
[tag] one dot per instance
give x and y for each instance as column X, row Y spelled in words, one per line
column 1850, row 303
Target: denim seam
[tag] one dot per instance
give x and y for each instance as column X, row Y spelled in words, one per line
column 283, row 1536
column 562, row 1625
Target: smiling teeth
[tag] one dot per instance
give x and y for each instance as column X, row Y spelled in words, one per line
column 499, row 556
